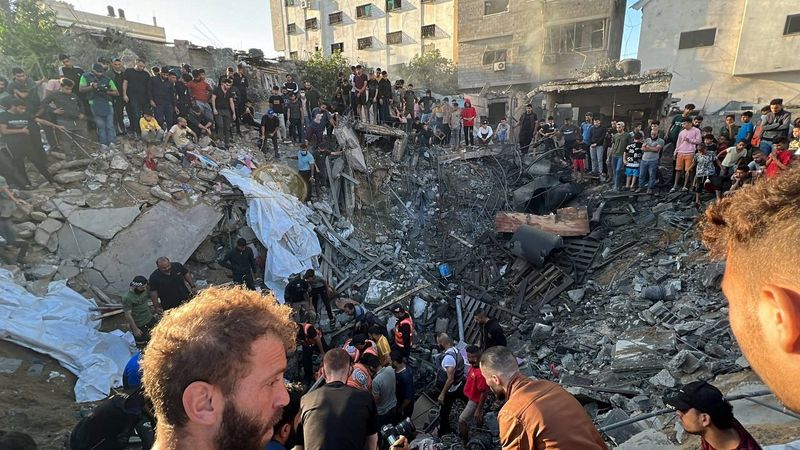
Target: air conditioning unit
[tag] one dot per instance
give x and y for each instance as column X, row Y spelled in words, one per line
column 499, row 66
column 305, row 4
column 549, row 59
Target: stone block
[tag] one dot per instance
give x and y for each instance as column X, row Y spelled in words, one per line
column 69, row 177
column 75, row 243
column 38, row 216
column 148, row 177
column 50, row 225
column 119, row 162
column 41, row 237
column 104, row 223
column 42, row 271
column 158, row 192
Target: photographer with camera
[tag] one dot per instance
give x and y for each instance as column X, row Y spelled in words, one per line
column 99, row 89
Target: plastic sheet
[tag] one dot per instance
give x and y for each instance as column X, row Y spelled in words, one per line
column 59, row 325
column 280, row 221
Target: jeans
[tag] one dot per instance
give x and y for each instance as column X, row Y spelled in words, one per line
column 455, row 135
column 207, row 112
column 282, row 121
column 765, row 146
column 597, row 154
column 502, row 137
column 165, row 115
column 647, row 171
column 618, row 163
column 105, row 128
column 223, row 121
column 425, row 118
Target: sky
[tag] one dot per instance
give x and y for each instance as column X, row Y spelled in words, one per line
column 240, row 24
column 247, row 25
column 630, row 35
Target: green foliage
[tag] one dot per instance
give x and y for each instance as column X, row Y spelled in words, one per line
column 322, row 70
column 432, row 71
column 29, row 34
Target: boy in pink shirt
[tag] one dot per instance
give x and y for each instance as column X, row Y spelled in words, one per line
column 686, row 146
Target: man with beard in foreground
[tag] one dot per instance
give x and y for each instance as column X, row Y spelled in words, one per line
column 214, row 371
column 538, row 414
column 761, row 223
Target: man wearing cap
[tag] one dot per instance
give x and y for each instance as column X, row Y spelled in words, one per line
column 270, row 125
column 135, row 305
column 403, row 331
column 99, row 89
column 484, row 133
column 704, row 412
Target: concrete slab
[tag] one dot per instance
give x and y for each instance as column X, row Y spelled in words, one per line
column 75, row 243
column 163, row 230
column 104, row 223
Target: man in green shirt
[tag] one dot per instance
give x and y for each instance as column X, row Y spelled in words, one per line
column 616, row 160
column 136, row 305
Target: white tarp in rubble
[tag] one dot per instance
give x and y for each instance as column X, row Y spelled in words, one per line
column 281, row 223
column 58, row 325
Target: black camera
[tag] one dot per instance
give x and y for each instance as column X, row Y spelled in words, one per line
column 393, row 432
column 102, row 88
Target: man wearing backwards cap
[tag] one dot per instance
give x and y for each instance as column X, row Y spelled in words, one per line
column 704, row 412
column 136, row 305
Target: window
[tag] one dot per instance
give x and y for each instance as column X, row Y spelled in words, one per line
column 394, row 38
column 792, row 24
column 312, row 24
column 364, row 11
column 293, row 55
column 364, row 43
column 578, row 36
column 391, row 5
column 291, row 28
column 337, row 47
column 494, row 7
column 698, row 38
column 289, row 2
column 428, row 31
column 493, row 56
column 335, row 18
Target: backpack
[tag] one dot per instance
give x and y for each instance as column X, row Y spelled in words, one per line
column 756, row 141
column 460, row 374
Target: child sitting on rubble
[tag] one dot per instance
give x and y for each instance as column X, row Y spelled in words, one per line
column 502, row 131
column 633, row 158
column 151, row 134
column 579, row 158
column 704, row 165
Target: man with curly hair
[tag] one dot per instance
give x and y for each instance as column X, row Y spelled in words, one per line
column 761, row 223
column 214, row 370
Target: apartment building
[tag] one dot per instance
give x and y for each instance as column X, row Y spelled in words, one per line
column 507, row 47
column 382, row 33
column 724, row 55
column 67, row 16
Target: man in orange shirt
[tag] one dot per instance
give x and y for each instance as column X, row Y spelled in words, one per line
column 537, row 414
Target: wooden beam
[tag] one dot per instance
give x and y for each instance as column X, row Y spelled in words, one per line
column 565, row 221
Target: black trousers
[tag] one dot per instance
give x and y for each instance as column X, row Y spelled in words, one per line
column 469, row 137
column 245, row 278
column 307, row 360
column 444, row 414
column 321, row 293
column 296, row 130
column 119, row 115
column 32, row 151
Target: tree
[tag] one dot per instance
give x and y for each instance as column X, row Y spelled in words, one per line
column 29, row 34
column 321, row 71
column 432, row 71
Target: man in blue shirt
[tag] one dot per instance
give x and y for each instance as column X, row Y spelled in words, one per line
column 307, row 168
column 132, row 376
column 586, row 132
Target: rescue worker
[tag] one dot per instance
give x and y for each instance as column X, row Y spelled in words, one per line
column 403, row 331
column 363, row 371
column 311, row 340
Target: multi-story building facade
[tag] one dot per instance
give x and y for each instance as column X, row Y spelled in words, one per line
column 509, row 47
column 724, row 55
column 381, row 33
column 67, row 16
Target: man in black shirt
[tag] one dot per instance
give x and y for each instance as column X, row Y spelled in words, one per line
column 492, row 333
column 20, row 132
column 294, row 114
column 270, row 126
column 336, row 416
column 135, row 93
column 312, row 98
column 384, row 96
column 70, row 71
column 372, row 98
column 298, row 293
column 528, row 123
column 424, row 136
column 276, row 102
column 224, row 110
column 242, row 262
column 198, row 122
column 183, row 96
column 426, row 104
column 290, row 85
column 162, row 98
column 168, row 283
column 65, row 107
column 240, row 85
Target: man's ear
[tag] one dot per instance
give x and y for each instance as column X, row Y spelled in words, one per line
column 203, row 403
column 779, row 313
column 705, row 419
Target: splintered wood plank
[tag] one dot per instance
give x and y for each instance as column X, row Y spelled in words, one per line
column 565, row 222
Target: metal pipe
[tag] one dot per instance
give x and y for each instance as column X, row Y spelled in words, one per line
column 775, row 408
column 660, row 412
column 460, row 318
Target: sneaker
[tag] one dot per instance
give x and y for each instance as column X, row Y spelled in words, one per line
column 672, row 190
column 112, row 146
column 684, row 189
column 104, row 147
column 649, row 192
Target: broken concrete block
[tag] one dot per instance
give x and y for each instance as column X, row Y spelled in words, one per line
column 41, row 237
column 42, row 271
column 50, row 225
column 119, row 162
column 661, row 207
column 686, row 362
column 9, row 365
column 207, row 175
column 742, row 362
column 663, row 379
column 576, row 295
column 67, row 271
column 69, row 177
column 75, row 243
column 158, row 192
column 206, row 253
column 38, row 216
column 642, row 349
column 648, row 439
column 104, row 223
column 148, row 177
column 621, row 434
column 379, row 291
